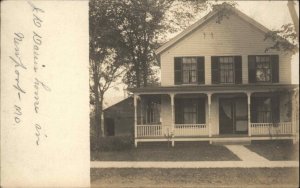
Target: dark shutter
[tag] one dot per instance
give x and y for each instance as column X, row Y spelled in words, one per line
column 238, row 69
column 201, row 111
column 177, row 70
column 252, row 68
column 178, row 111
column 275, row 68
column 275, row 109
column 215, row 75
column 201, row 71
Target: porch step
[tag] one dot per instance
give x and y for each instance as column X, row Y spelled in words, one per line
column 231, row 142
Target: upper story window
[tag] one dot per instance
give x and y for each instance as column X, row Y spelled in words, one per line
column 263, row 68
column 189, row 66
column 226, row 69
column 189, row 70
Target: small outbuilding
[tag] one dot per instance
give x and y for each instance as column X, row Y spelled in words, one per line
column 119, row 118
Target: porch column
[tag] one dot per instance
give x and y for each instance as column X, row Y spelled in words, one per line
column 135, row 118
column 209, row 118
column 142, row 105
column 249, row 111
column 173, row 116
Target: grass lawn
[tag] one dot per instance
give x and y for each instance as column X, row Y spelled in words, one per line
column 230, row 177
column 185, row 151
column 276, row 150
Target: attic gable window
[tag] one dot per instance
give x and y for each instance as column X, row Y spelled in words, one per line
column 189, row 70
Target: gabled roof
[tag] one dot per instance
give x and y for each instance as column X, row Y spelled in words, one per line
column 202, row 22
column 119, row 103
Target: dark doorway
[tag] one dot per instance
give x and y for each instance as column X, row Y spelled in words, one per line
column 110, row 126
column 233, row 116
column 227, row 116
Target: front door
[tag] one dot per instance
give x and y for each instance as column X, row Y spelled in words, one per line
column 233, row 115
column 227, row 115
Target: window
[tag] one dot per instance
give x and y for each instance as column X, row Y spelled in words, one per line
column 226, row 70
column 190, row 112
column 264, row 110
column 189, row 70
column 153, row 112
column 263, row 69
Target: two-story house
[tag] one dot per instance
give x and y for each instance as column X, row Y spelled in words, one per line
column 218, row 83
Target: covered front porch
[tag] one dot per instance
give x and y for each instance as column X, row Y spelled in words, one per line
column 212, row 114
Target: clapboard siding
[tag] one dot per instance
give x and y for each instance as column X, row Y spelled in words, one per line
column 233, row 36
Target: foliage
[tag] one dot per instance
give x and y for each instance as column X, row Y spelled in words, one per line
column 106, row 55
column 284, row 39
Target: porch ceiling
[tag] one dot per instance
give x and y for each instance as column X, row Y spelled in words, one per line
column 214, row 88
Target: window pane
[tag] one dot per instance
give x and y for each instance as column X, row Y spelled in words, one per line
column 189, row 70
column 226, row 70
column 263, row 69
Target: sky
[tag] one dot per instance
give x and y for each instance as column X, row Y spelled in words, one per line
column 271, row 14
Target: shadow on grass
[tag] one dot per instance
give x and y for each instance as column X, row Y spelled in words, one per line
column 276, row 150
column 162, row 151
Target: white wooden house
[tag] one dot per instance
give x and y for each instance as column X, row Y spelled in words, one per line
column 218, row 84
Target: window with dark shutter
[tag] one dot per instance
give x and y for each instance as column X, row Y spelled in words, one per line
column 215, row 70
column 201, row 71
column 177, row 70
column 238, row 69
column 263, row 68
column 189, row 70
column 226, row 69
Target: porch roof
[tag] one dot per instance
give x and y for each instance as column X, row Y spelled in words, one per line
column 220, row 88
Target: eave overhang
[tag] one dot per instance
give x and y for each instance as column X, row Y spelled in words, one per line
column 224, row 88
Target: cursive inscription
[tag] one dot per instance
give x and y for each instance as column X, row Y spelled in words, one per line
column 38, row 134
column 38, row 85
column 19, row 66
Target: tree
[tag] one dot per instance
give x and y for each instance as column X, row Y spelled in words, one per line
column 106, row 56
column 287, row 37
column 143, row 26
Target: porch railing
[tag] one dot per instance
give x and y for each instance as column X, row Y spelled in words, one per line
column 271, row 128
column 149, row 130
column 190, row 130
